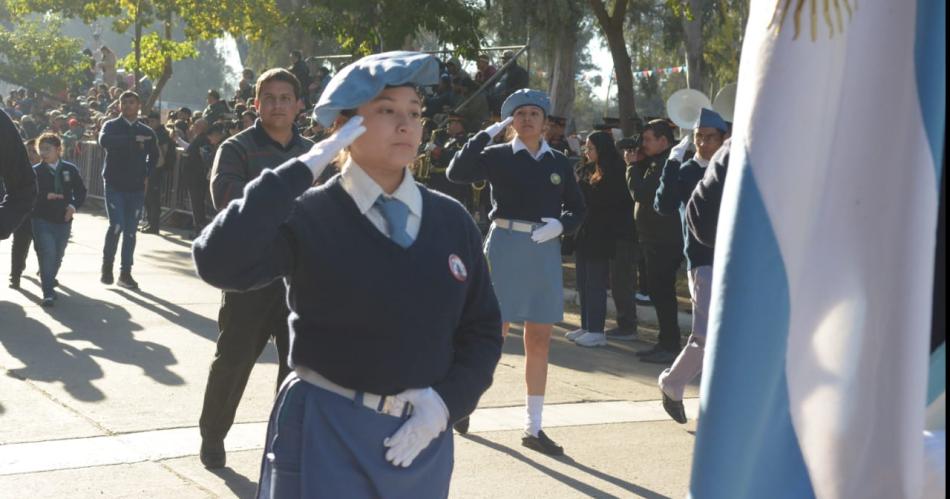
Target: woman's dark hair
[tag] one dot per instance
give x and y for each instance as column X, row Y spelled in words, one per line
column 607, row 155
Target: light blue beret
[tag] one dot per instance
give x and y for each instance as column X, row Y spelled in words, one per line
column 711, row 119
column 525, row 97
column 361, row 81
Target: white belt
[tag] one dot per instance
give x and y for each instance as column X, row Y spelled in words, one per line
column 504, row 223
column 383, row 404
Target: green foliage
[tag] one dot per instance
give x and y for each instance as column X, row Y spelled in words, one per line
column 363, row 26
column 37, row 55
column 155, row 49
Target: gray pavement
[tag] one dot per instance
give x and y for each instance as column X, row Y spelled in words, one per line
column 100, row 397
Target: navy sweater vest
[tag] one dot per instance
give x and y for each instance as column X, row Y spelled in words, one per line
column 365, row 313
column 521, row 188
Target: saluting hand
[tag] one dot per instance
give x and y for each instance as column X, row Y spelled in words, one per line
column 494, row 129
column 323, row 152
column 429, row 418
column 679, row 150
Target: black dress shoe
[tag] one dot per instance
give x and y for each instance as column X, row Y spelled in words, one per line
column 661, row 356
column 461, row 426
column 674, row 408
column 212, row 454
column 126, row 281
column 148, row 229
column 542, row 444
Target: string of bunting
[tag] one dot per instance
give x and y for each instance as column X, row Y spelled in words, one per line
column 664, row 71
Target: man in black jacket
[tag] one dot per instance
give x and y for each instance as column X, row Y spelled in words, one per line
column 18, row 179
column 195, row 167
column 661, row 238
column 131, row 154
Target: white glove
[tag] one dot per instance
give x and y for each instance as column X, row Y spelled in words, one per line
column 323, row 152
column 679, row 150
column 494, row 129
column 551, row 229
column 429, row 418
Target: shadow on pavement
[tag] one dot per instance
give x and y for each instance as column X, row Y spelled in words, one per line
column 240, row 485
column 45, row 357
column 616, row 358
column 180, row 316
column 581, row 487
column 109, row 327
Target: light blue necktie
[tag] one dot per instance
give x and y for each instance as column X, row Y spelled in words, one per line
column 396, row 214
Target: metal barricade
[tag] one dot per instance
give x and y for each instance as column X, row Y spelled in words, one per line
column 89, row 157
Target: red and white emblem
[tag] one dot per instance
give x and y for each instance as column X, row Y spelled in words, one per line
column 457, row 268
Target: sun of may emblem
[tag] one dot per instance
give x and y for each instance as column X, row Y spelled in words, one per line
column 831, row 11
column 555, row 179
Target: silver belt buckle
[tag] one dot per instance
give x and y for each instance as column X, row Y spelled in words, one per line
column 393, row 407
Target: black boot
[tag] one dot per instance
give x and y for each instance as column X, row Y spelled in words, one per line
column 126, row 281
column 107, row 277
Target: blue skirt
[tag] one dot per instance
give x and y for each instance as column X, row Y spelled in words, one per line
column 526, row 275
column 322, row 445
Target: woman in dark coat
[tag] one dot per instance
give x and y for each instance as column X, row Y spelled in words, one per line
column 608, row 202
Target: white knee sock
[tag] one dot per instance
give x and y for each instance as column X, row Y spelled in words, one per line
column 534, row 405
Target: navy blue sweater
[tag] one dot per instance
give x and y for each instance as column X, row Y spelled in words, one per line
column 676, row 185
column 702, row 211
column 128, row 162
column 362, row 308
column 73, row 191
column 521, row 188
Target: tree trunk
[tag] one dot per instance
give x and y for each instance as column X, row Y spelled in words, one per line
column 612, row 26
column 564, row 70
column 694, row 46
column 163, row 79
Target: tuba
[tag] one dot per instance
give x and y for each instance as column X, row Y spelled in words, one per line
column 684, row 106
column 725, row 102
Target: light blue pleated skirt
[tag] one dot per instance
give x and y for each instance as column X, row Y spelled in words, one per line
column 526, row 275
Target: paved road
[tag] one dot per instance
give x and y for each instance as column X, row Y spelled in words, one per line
column 100, row 396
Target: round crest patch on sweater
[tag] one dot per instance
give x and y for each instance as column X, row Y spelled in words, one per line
column 457, row 268
column 555, row 179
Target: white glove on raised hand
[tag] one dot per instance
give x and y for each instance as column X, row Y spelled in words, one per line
column 551, row 229
column 494, row 129
column 679, row 150
column 323, row 152
column 429, row 418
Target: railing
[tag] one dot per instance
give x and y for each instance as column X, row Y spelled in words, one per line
column 89, row 157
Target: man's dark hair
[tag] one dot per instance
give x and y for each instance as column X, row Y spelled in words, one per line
column 128, row 94
column 214, row 93
column 297, row 54
column 217, row 127
column 277, row 74
column 660, row 128
column 49, row 138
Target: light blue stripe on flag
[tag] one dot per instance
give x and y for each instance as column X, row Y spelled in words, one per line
column 747, row 446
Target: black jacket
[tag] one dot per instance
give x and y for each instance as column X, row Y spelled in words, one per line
column 608, row 215
column 73, row 191
column 19, row 181
column 643, row 180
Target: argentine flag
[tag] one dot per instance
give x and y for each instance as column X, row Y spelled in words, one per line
column 818, row 353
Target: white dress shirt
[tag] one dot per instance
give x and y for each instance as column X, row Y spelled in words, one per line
column 518, row 145
column 364, row 191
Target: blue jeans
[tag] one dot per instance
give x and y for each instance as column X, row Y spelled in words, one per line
column 50, row 241
column 124, row 210
column 592, row 275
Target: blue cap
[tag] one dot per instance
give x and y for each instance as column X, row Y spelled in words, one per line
column 361, row 81
column 711, row 119
column 525, row 97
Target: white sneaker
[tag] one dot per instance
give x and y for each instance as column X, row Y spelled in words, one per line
column 592, row 340
column 575, row 334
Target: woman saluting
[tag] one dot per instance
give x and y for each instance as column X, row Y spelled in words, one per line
column 377, row 376
column 535, row 198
